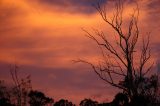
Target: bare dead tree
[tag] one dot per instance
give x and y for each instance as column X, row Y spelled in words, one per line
column 120, row 58
column 21, row 87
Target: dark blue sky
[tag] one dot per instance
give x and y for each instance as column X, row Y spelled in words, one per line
column 83, row 6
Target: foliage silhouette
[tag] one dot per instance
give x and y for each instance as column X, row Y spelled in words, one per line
column 37, row 98
column 34, row 98
column 88, row 102
column 120, row 100
column 5, row 102
column 63, row 102
column 4, row 95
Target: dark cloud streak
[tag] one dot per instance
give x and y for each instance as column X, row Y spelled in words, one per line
column 80, row 6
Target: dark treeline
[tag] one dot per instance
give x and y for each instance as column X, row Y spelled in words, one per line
column 21, row 93
column 24, row 95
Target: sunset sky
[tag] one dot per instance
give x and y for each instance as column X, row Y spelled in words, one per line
column 43, row 37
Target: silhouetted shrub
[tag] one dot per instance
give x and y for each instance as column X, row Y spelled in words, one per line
column 37, row 98
column 63, row 102
column 120, row 99
column 88, row 102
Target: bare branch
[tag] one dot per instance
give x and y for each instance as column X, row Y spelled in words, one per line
column 107, row 45
column 120, row 61
column 100, row 74
column 145, row 55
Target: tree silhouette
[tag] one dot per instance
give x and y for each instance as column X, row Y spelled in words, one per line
column 8, row 97
column 64, row 102
column 5, row 102
column 3, row 90
column 21, row 87
column 147, row 88
column 37, row 98
column 4, row 95
column 120, row 100
column 122, row 58
column 88, row 102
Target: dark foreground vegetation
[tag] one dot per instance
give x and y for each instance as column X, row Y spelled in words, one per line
column 24, row 95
